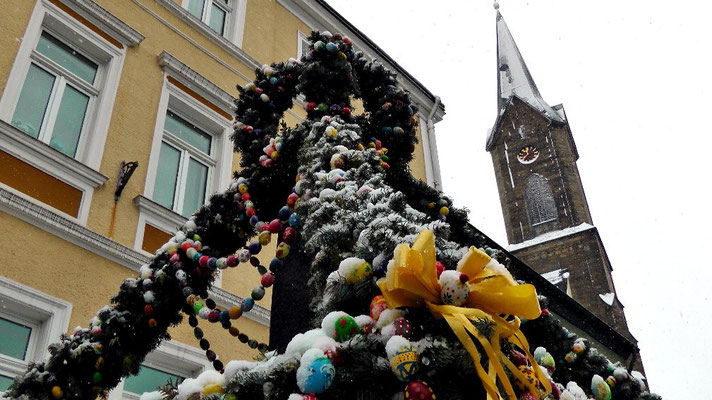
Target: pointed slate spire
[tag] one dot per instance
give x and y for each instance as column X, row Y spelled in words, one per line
column 513, row 77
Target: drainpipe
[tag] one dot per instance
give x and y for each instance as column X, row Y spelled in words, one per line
column 432, row 148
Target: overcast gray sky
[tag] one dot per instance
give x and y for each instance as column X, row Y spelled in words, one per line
column 635, row 79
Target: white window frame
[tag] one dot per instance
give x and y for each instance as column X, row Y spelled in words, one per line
column 172, row 357
column 185, row 105
column 81, row 171
column 48, row 317
column 234, row 19
column 73, row 33
column 302, row 41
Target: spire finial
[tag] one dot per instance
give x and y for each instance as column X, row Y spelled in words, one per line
column 495, row 5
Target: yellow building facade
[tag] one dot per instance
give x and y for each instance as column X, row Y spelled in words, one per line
column 88, row 85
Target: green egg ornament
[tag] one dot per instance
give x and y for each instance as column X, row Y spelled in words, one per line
column 346, row 328
column 600, row 389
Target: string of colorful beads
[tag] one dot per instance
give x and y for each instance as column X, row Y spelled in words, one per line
column 207, row 309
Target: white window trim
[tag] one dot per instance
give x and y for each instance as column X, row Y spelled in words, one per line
column 302, row 39
column 174, row 98
column 172, row 357
column 234, row 24
column 48, row 16
column 48, row 315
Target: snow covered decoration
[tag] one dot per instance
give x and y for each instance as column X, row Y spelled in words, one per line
column 349, row 196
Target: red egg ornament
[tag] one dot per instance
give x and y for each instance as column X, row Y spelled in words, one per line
column 419, row 390
column 378, row 305
column 403, row 328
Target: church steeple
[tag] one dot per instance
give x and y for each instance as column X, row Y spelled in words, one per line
column 513, row 78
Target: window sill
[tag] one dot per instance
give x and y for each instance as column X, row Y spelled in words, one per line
column 42, row 156
column 158, row 215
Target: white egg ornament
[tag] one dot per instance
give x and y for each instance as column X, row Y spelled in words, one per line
column 454, row 288
column 315, row 373
column 600, row 389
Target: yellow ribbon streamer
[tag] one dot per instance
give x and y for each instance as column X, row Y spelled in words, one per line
column 412, row 282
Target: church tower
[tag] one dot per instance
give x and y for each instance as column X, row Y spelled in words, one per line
column 546, row 215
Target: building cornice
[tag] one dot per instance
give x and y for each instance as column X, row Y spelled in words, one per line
column 115, row 27
column 195, row 81
column 85, row 238
column 158, row 211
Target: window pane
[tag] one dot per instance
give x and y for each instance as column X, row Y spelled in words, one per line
column 217, row 19
column 32, row 104
column 15, row 338
column 194, row 187
column 195, row 7
column 67, row 57
column 166, row 176
column 148, row 380
column 70, row 119
column 188, row 132
column 5, row 382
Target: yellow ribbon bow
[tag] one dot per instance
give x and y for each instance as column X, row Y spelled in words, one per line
column 412, row 281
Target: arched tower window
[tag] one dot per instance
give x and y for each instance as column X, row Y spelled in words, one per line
column 539, row 200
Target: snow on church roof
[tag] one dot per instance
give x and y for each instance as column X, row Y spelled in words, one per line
column 513, row 77
column 548, row 236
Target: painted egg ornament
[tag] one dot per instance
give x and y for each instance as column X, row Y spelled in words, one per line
column 418, row 390
column 378, row 305
column 282, row 250
column 547, row 361
column 529, row 375
column 346, row 328
column 611, row 381
column 578, row 347
column 518, row 358
column 403, row 327
column 264, row 238
column 57, row 392
column 600, row 389
column 315, row 373
column 454, row 288
column 570, row 357
column 404, row 363
column 331, row 47
column 267, row 279
column 243, row 255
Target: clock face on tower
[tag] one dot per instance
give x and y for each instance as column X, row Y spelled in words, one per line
column 528, row 154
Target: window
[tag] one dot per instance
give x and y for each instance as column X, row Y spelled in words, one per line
column 302, row 45
column 539, row 199
column 212, row 12
column 172, row 361
column 56, row 106
column 55, row 97
column 147, row 380
column 191, row 151
column 29, row 321
column 184, row 165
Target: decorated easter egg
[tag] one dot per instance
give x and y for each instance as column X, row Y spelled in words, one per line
column 403, row 327
column 570, row 357
column 378, row 304
column 529, row 376
column 404, row 363
column 578, row 347
column 57, row 392
column 346, row 327
column 620, row 374
column 454, row 288
column 315, row 373
column 600, row 389
column 547, row 361
column 359, row 272
column 528, row 396
column 418, row 390
column 611, row 381
column 518, row 358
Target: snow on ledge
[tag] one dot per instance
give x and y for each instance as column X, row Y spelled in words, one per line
column 546, row 237
column 608, row 298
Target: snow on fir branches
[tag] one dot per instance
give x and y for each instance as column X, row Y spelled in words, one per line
column 334, row 189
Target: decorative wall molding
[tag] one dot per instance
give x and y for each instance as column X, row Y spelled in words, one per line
column 106, row 21
column 100, row 245
column 195, row 81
